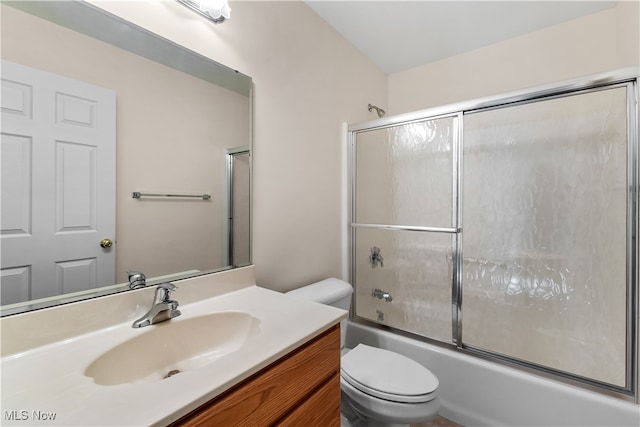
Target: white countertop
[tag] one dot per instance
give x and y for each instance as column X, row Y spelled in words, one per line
column 50, row 379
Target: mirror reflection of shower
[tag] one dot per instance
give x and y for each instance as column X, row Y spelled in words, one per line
column 238, row 206
column 379, row 110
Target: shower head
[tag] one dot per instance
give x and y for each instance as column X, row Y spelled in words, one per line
column 380, row 111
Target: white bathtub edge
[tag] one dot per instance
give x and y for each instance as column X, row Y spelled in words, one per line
column 476, row 392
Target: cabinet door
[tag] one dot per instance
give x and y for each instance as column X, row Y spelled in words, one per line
column 321, row 409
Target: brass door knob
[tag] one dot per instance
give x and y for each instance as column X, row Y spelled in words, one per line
column 106, row 243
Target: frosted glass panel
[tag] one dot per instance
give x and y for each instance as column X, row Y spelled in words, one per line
column 404, row 174
column 544, row 233
column 415, row 268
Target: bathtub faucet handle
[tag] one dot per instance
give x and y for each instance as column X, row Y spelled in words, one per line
column 380, row 294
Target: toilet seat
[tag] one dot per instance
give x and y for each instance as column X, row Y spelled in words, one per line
column 388, row 375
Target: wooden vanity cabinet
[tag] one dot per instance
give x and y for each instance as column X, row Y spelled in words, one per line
column 300, row 389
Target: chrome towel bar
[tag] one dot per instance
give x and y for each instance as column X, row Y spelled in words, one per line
column 137, row 195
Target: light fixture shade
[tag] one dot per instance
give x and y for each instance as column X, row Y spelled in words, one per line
column 215, row 10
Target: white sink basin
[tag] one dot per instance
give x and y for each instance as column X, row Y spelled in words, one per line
column 174, row 346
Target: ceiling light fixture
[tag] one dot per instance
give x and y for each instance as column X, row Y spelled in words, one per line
column 214, row 10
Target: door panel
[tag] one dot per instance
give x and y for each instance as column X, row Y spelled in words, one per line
column 16, row 185
column 415, row 269
column 76, row 177
column 76, row 275
column 405, row 174
column 545, row 233
column 405, row 189
column 58, row 184
column 15, row 283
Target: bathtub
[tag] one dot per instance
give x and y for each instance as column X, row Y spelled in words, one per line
column 476, row 392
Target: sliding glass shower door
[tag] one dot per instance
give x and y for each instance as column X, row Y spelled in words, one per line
column 507, row 229
column 545, row 233
column 404, row 229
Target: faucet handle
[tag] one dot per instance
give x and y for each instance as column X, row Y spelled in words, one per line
column 137, row 279
column 166, row 288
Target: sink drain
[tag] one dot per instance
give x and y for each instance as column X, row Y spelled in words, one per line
column 172, row 373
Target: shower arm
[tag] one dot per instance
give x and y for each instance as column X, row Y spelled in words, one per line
column 379, row 111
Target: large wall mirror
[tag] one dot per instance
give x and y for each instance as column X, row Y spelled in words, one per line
column 121, row 151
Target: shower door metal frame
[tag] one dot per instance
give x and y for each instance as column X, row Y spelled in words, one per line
column 456, row 201
column 626, row 77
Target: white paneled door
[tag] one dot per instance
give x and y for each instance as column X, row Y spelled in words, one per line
column 57, row 184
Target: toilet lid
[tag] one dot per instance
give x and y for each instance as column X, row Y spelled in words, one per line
column 388, row 375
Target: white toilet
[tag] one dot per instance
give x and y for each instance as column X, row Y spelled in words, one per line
column 379, row 387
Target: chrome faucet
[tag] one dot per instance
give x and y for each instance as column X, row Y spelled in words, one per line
column 164, row 308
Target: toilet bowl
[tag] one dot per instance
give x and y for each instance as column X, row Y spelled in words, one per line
column 378, row 387
column 386, row 388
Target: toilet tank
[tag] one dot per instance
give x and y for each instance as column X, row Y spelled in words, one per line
column 333, row 292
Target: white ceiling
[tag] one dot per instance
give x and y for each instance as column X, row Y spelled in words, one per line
column 398, row 35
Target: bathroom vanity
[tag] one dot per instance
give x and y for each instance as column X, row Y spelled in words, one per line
column 244, row 354
column 302, row 388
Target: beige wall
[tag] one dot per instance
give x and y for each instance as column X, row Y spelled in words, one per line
column 595, row 43
column 308, row 80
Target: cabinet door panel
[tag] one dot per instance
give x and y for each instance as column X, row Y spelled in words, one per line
column 322, row 409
